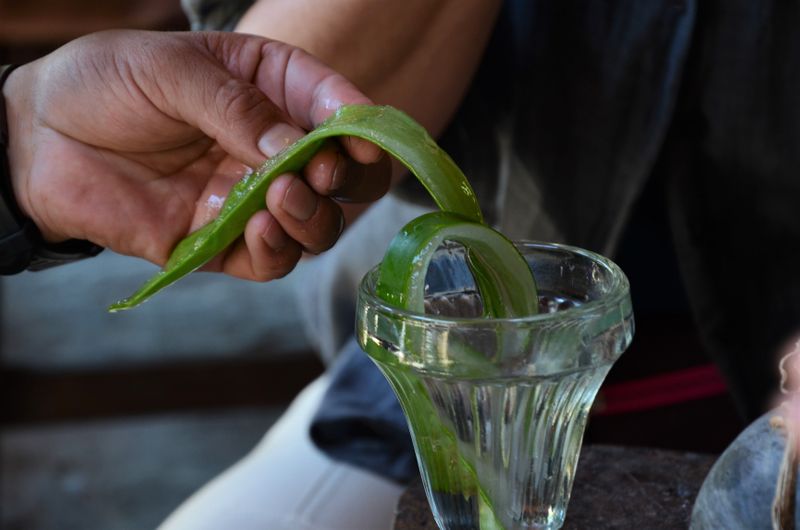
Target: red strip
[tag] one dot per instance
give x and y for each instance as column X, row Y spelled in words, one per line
column 661, row 390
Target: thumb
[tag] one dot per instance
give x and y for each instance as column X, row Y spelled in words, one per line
column 239, row 116
column 256, row 96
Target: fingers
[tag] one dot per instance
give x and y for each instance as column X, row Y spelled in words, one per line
column 304, row 89
column 310, row 92
column 315, row 222
column 274, row 240
column 332, row 173
column 256, row 96
column 265, row 253
column 301, row 218
column 239, row 117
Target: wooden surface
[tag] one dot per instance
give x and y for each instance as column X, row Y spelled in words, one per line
column 615, row 488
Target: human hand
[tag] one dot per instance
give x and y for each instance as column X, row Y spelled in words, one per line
column 133, row 139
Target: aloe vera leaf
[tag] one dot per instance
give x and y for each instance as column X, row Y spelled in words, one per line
column 507, row 289
column 501, row 274
column 389, row 128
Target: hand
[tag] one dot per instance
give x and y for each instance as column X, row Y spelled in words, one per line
column 133, row 139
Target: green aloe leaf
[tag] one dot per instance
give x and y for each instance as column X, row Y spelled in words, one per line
column 389, row 128
column 507, row 288
column 501, row 274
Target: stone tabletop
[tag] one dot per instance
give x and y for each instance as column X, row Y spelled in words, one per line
column 615, row 488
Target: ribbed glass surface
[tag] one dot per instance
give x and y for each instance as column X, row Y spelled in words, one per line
column 497, row 408
column 521, row 437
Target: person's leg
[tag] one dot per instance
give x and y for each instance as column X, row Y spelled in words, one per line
column 286, row 483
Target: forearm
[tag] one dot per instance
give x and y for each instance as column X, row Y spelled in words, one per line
column 417, row 55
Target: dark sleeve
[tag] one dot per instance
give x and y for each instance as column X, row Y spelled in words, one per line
column 360, row 420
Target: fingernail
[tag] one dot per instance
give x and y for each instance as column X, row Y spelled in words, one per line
column 278, row 138
column 299, row 201
column 339, row 172
column 275, row 237
column 341, row 226
column 368, row 150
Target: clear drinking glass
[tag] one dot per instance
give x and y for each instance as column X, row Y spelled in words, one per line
column 497, row 407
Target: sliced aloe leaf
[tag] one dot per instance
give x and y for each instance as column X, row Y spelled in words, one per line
column 507, row 289
column 501, row 274
column 389, row 128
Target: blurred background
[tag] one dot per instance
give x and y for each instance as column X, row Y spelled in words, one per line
column 110, row 421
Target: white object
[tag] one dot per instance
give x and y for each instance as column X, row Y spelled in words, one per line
column 286, row 483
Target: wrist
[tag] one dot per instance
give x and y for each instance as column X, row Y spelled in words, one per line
column 16, row 231
column 17, row 129
column 21, row 243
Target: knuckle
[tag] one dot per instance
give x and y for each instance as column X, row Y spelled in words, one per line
column 237, row 100
column 280, row 264
column 323, row 231
column 318, row 247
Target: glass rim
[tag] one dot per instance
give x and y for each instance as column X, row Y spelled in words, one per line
column 618, row 291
